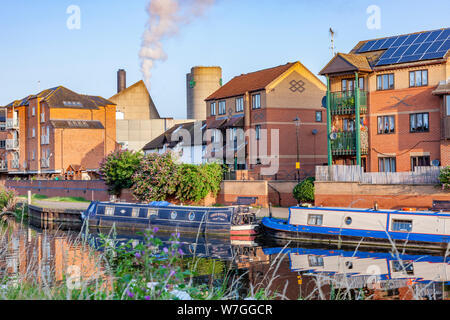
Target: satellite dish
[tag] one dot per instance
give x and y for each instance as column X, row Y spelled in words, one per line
column 314, row 132
column 333, row 136
column 324, row 102
column 435, row 163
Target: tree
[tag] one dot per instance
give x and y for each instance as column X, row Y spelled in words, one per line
column 118, row 168
column 304, row 191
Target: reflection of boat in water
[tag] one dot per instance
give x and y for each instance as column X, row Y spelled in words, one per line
column 192, row 246
column 382, row 270
column 417, row 230
column 218, row 221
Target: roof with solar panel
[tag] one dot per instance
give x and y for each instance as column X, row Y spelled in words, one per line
column 419, row 46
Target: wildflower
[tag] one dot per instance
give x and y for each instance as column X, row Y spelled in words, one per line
column 155, row 230
column 147, row 297
column 180, row 252
column 130, row 294
column 166, row 250
column 138, row 255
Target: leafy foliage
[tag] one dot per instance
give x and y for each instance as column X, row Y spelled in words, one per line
column 196, row 182
column 304, row 191
column 118, row 168
column 7, row 200
column 157, row 178
column 444, row 178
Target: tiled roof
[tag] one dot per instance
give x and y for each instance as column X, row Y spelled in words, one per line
column 443, row 88
column 166, row 137
column 358, row 61
column 249, row 82
column 61, row 97
column 76, row 124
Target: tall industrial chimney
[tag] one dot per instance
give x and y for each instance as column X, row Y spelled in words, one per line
column 201, row 83
column 121, row 80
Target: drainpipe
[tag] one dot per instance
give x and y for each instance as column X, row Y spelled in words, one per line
column 357, row 120
column 330, row 157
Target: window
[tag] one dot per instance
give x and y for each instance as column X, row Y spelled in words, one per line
column 385, row 81
column 33, row 155
column 42, row 117
column 349, row 84
column 406, row 266
column 258, row 132
column 386, row 124
column 419, row 122
column 135, row 213
column 318, row 116
column 213, row 108
column 2, row 144
column 222, row 107
column 239, row 104
column 402, row 225
column 386, row 165
column 33, row 111
column 447, row 104
column 152, row 212
column 420, row 161
column 348, row 125
column 256, row 101
column 109, row 211
column 315, row 220
column 33, row 132
column 418, row 78
column 348, row 221
column 315, row 261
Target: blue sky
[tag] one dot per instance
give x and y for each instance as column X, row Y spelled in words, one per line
column 239, row 35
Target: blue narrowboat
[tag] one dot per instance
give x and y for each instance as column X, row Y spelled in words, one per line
column 220, row 221
column 372, row 227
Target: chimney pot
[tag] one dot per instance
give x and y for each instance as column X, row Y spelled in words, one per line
column 121, row 80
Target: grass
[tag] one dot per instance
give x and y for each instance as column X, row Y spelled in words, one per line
column 40, row 197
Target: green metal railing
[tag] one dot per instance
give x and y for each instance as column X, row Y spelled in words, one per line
column 345, row 143
column 344, row 102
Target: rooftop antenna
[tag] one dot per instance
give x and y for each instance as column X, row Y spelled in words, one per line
column 332, row 33
column 39, row 86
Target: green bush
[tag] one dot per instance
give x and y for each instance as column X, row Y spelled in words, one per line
column 196, row 182
column 7, row 199
column 118, row 168
column 157, row 178
column 444, row 178
column 304, row 191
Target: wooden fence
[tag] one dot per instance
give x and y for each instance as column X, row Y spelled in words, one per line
column 421, row 175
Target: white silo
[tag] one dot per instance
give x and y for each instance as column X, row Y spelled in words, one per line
column 200, row 84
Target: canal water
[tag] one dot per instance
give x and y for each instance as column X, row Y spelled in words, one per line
column 282, row 270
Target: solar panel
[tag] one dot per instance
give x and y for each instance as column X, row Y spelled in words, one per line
column 413, row 47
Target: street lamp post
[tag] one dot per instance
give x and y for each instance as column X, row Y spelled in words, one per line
column 297, row 122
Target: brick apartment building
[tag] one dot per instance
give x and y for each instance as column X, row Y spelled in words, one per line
column 55, row 130
column 398, row 88
column 271, row 99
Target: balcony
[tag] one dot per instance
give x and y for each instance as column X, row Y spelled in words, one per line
column 45, row 163
column 343, row 103
column 2, row 126
column 345, row 143
column 12, row 124
column 15, row 164
column 45, row 139
column 12, row 144
column 3, row 166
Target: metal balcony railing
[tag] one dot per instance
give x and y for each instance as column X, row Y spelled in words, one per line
column 45, row 139
column 345, row 143
column 3, row 165
column 344, row 102
column 45, row 163
column 15, row 164
column 12, row 144
column 12, row 124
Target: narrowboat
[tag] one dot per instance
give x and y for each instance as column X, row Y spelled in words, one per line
column 365, row 227
column 234, row 222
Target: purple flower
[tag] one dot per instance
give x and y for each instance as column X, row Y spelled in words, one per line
column 147, row 297
column 172, row 273
column 156, row 229
column 180, row 252
column 130, row 294
column 138, row 255
column 166, row 250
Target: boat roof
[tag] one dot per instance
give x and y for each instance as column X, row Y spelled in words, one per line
column 421, row 212
column 159, row 206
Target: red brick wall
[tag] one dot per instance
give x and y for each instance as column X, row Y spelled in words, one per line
column 402, row 143
column 348, row 194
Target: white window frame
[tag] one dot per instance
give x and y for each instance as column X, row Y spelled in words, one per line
column 240, row 104
column 222, row 107
column 213, row 108
column 256, row 101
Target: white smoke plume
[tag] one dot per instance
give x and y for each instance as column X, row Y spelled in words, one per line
column 165, row 19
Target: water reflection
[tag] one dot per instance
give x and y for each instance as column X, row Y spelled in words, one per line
column 289, row 272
